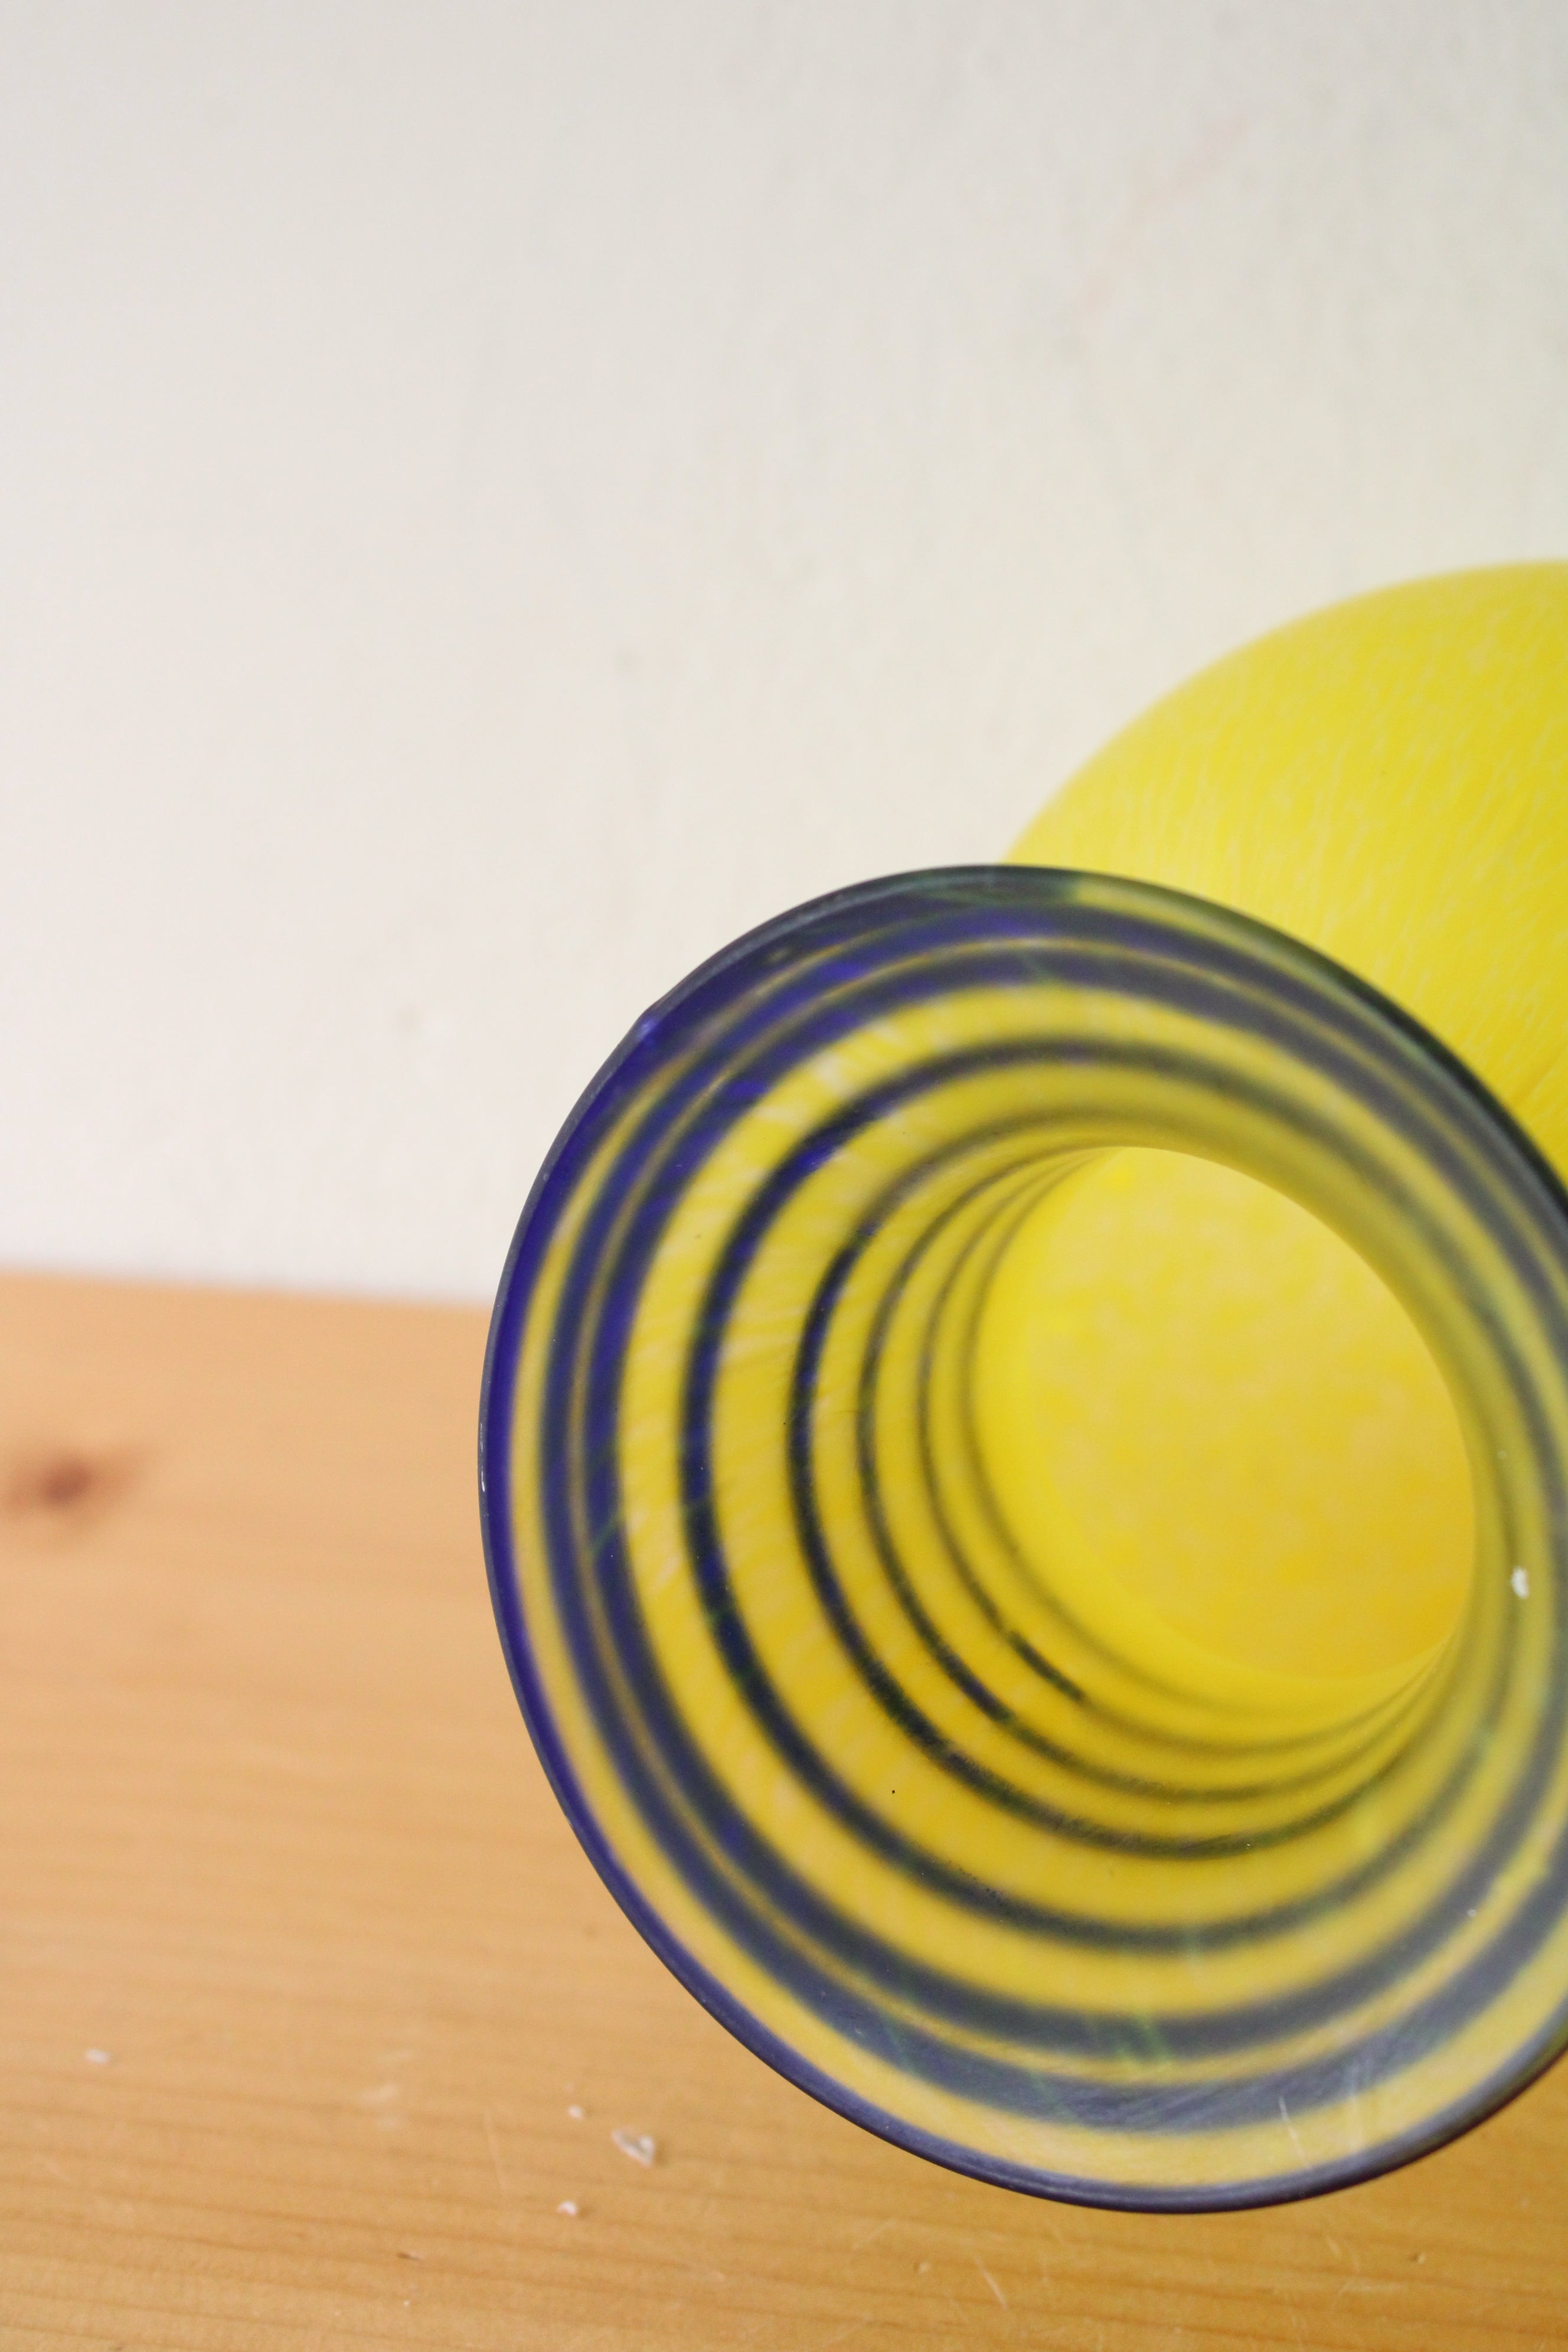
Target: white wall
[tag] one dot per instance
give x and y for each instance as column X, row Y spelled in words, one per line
column 495, row 499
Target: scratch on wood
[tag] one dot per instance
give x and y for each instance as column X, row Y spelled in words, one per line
column 495, row 2155
column 843, row 2333
column 990, row 2281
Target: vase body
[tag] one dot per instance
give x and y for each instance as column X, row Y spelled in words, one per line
column 843, row 1619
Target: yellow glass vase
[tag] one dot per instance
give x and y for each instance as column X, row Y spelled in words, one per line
column 1025, row 1445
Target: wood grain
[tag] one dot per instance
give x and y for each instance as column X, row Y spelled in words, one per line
column 302, row 1976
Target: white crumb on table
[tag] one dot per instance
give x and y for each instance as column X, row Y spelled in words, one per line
column 641, row 2146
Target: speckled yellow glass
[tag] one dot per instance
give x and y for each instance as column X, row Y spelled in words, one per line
column 1066, row 1832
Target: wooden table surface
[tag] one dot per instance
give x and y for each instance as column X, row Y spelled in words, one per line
column 315, row 2023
